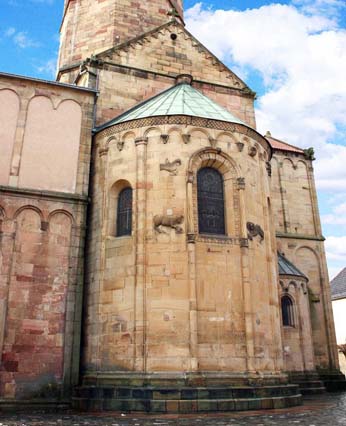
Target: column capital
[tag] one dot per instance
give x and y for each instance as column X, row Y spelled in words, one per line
column 141, row 141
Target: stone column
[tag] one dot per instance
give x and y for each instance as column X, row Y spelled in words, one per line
column 7, row 258
column 140, row 285
column 244, row 252
column 191, row 250
column 305, row 331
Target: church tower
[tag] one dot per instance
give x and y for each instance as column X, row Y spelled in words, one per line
column 90, row 26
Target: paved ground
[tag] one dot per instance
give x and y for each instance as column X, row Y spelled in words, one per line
column 328, row 410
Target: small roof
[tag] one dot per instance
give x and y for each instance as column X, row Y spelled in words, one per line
column 287, row 268
column 338, row 285
column 181, row 99
column 281, row 145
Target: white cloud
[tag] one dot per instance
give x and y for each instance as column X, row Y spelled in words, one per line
column 336, row 248
column 48, row 69
column 299, row 50
column 20, row 38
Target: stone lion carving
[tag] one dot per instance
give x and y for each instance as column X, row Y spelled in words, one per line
column 169, row 222
column 254, row 230
column 171, row 167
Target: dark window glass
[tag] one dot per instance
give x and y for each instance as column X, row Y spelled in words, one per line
column 124, row 213
column 211, row 210
column 287, row 311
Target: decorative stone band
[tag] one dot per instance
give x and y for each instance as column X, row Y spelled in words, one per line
column 187, row 120
column 220, row 239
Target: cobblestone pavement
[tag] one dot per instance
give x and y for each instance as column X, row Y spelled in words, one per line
column 323, row 410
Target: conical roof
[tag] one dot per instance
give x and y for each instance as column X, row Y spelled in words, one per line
column 181, row 99
column 287, row 268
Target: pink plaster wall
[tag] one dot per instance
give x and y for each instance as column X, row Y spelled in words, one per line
column 9, row 108
column 51, row 145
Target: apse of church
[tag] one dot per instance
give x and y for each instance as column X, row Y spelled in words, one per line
column 174, row 260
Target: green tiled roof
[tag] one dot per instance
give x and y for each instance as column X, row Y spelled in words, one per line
column 287, row 268
column 182, row 99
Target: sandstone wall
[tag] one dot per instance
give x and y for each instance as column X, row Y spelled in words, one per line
column 90, row 26
column 299, row 235
column 45, row 143
column 133, row 73
column 171, row 301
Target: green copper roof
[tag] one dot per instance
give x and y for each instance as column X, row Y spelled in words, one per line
column 287, row 268
column 181, row 99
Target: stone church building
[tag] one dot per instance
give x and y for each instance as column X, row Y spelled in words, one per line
column 157, row 252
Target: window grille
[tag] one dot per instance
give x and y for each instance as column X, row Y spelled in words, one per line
column 124, row 212
column 287, row 311
column 211, row 210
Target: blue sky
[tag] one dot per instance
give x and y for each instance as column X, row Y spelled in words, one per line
column 292, row 53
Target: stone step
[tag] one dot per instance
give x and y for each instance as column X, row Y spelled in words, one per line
column 186, row 393
column 313, row 390
column 184, row 399
column 186, row 406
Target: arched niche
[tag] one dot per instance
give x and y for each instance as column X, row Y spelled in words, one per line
column 9, row 110
column 51, row 145
column 113, row 196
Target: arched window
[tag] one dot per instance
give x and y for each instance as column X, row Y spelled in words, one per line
column 287, row 311
column 211, row 209
column 124, row 212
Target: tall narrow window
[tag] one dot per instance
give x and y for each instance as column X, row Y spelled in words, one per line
column 211, row 210
column 124, row 212
column 287, row 311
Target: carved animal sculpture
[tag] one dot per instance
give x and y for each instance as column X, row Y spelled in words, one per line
column 171, row 167
column 169, row 222
column 254, row 230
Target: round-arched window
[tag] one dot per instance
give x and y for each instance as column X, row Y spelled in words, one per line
column 124, row 212
column 287, row 311
column 211, row 203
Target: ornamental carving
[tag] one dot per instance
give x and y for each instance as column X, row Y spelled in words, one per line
column 252, row 151
column 171, row 167
column 212, row 142
column 166, row 221
column 186, row 138
column 254, row 231
column 240, row 146
column 269, row 168
column 164, row 138
column 120, row 145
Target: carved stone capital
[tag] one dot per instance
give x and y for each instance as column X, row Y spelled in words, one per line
column 190, row 177
column 141, row 141
column 191, row 238
column 103, row 151
column 244, row 242
column 240, row 183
